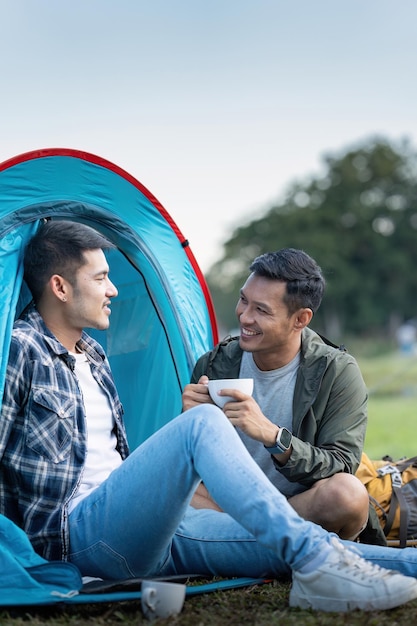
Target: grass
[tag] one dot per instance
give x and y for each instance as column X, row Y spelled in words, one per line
column 391, row 427
column 265, row 605
column 392, row 410
column 392, row 382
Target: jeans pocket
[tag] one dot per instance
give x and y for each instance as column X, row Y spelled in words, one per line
column 102, row 561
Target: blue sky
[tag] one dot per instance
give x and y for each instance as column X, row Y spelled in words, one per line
column 216, row 106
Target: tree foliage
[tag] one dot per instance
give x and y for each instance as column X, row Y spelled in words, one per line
column 359, row 221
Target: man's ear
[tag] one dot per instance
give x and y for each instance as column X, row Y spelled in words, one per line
column 303, row 318
column 59, row 287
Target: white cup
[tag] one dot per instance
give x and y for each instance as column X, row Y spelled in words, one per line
column 242, row 384
column 161, row 599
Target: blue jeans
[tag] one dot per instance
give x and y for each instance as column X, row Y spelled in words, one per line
column 138, row 522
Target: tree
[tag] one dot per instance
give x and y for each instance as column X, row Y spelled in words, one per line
column 359, row 221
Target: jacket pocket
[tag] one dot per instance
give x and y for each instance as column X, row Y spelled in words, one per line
column 50, row 424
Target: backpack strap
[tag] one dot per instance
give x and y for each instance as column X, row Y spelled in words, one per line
column 402, row 464
column 379, row 508
column 397, row 500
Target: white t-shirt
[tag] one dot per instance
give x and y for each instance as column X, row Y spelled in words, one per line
column 102, row 456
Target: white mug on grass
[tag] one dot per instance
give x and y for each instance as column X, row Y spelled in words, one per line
column 242, row 384
column 161, row 599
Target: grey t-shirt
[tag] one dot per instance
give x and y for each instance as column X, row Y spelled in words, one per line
column 273, row 391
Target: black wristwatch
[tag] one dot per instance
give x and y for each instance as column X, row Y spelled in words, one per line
column 283, row 442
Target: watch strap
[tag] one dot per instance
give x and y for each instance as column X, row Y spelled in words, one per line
column 275, row 450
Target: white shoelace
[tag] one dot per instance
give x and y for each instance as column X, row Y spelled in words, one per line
column 362, row 568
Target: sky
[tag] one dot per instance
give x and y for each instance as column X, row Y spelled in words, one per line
column 216, row 107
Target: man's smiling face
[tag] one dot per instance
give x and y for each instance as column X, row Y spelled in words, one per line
column 266, row 327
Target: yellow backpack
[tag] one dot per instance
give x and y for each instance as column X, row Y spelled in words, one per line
column 392, row 489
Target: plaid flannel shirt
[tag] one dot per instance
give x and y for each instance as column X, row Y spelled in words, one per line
column 43, row 440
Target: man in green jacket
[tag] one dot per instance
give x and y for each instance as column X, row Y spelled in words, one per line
column 306, row 421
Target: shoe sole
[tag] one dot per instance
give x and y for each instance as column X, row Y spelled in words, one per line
column 340, row 605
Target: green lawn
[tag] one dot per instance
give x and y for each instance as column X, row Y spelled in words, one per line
column 392, row 384
column 392, row 427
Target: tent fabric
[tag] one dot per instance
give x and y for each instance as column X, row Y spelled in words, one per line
column 163, row 318
column 26, row 579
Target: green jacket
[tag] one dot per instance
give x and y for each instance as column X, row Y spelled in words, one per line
column 329, row 406
column 329, row 412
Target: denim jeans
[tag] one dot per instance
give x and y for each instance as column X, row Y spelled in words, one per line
column 127, row 526
column 139, row 523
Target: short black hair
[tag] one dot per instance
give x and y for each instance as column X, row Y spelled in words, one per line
column 302, row 275
column 58, row 247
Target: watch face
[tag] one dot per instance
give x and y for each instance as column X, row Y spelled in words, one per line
column 285, row 438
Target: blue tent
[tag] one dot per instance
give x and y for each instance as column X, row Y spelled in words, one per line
column 163, row 318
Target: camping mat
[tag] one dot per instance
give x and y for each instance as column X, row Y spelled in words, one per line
column 131, row 594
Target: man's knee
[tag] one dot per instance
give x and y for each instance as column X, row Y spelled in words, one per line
column 346, row 492
column 341, row 504
column 208, row 418
column 205, row 412
column 341, row 498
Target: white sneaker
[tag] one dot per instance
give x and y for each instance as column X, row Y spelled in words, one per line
column 346, row 581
